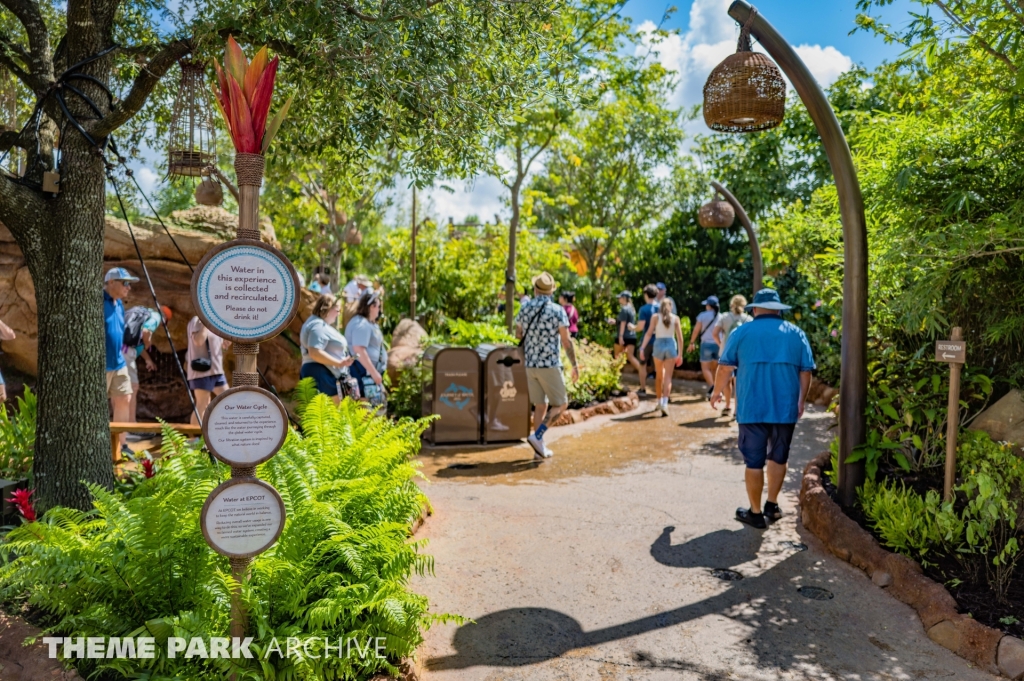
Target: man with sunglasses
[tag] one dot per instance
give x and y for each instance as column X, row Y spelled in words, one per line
column 117, row 284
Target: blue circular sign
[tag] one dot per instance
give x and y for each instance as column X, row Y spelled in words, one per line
column 245, row 291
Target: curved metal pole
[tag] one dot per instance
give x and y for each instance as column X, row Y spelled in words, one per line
column 853, row 376
column 755, row 249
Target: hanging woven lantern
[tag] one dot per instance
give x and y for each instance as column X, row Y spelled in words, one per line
column 746, row 92
column 192, row 149
column 716, row 214
column 209, row 192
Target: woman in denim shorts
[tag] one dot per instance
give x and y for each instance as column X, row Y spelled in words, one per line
column 704, row 328
column 667, row 333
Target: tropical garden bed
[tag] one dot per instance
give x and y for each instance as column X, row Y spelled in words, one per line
column 137, row 564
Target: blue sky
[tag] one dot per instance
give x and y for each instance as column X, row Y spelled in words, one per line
column 819, row 29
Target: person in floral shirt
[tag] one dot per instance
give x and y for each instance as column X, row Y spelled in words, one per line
column 542, row 326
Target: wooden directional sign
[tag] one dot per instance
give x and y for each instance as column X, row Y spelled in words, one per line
column 245, row 426
column 242, row 517
column 245, row 291
column 951, row 351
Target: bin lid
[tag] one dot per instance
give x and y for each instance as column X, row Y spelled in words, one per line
column 431, row 353
column 485, row 350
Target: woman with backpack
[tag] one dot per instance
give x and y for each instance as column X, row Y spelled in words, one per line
column 666, row 333
column 325, row 355
column 727, row 323
column 205, row 359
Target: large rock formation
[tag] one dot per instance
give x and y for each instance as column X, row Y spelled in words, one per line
column 195, row 230
column 1004, row 420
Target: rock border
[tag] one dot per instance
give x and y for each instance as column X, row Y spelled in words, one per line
column 616, row 405
column 984, row 646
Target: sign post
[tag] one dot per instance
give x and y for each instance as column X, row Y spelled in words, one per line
column 247, row 292
column 954, row 353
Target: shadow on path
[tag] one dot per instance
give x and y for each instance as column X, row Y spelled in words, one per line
column 718, row 549
column 713, row 422
column 483, row 470
column 522, row 636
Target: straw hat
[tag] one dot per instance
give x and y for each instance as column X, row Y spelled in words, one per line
column 544, row 284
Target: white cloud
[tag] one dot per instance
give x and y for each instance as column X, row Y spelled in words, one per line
column 825, row 63
column 148, row 179
column 710, row 38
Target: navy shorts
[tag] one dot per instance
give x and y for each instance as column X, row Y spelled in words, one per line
column 760, row 442
column 325, row 381
column 207, row 383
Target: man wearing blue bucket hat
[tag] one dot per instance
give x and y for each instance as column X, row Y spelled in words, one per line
column 773, row 362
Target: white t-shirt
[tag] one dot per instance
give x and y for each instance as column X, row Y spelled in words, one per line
column 707, row 320
column 662, row 331
column 729, row 322
column 351, row 292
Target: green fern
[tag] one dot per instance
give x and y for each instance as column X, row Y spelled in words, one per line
column 138, row 565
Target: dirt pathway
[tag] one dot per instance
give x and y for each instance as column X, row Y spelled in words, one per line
column 599, row 564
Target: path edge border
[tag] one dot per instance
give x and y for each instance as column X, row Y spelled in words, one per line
column 984, row 646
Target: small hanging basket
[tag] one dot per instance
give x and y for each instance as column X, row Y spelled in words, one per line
column 716, row 214
column 192, row 147
column 209, row 192
column 746, row 92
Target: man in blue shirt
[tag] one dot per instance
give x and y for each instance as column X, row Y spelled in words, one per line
column 773, row 362
column 117, row 284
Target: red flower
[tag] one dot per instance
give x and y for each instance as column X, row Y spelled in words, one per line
column 22, row 498
column 147, row 468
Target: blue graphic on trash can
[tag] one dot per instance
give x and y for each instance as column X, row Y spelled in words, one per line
column 456, row 396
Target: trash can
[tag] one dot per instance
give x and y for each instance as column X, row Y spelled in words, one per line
column 506, row 398
column 452, row 391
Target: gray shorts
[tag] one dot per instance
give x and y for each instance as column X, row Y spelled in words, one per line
column 546, row 385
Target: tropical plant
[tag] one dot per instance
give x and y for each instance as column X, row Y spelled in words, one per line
column 243, row 98
column 600, row 374
column 18, row 437
column 983, row 529
column 138, row 565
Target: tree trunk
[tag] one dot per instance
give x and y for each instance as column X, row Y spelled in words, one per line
column 72, row 435
column 510, row 270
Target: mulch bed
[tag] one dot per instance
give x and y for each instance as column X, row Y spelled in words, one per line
column 971, row 592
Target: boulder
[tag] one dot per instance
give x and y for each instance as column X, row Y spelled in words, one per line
column 406, row 347
column 408, row 333
column 195, row 231
column 1004, row 420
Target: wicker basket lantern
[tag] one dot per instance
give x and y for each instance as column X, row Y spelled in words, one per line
column 716, row 214
column 746, row 92
column 192, row 149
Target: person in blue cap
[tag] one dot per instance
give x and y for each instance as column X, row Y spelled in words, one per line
column 773, row 363
column 704, row 328
column 117, row 284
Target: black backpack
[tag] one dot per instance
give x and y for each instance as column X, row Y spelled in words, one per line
column 133, row 321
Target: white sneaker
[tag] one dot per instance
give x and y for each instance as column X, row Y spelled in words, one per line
column 537, row 444
column 664, row 410
column 548, row 453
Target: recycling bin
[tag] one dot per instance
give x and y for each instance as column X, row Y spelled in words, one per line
column 452, row 391
column 506, row 398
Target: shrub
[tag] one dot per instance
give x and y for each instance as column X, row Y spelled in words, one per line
column 18, row 438
column 472, row 334
column 599, row 374
column 982, row 529
column 138, row 565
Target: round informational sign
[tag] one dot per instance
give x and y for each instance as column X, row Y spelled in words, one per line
column 242, row 517
column 245, row 426
column 245, row 291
